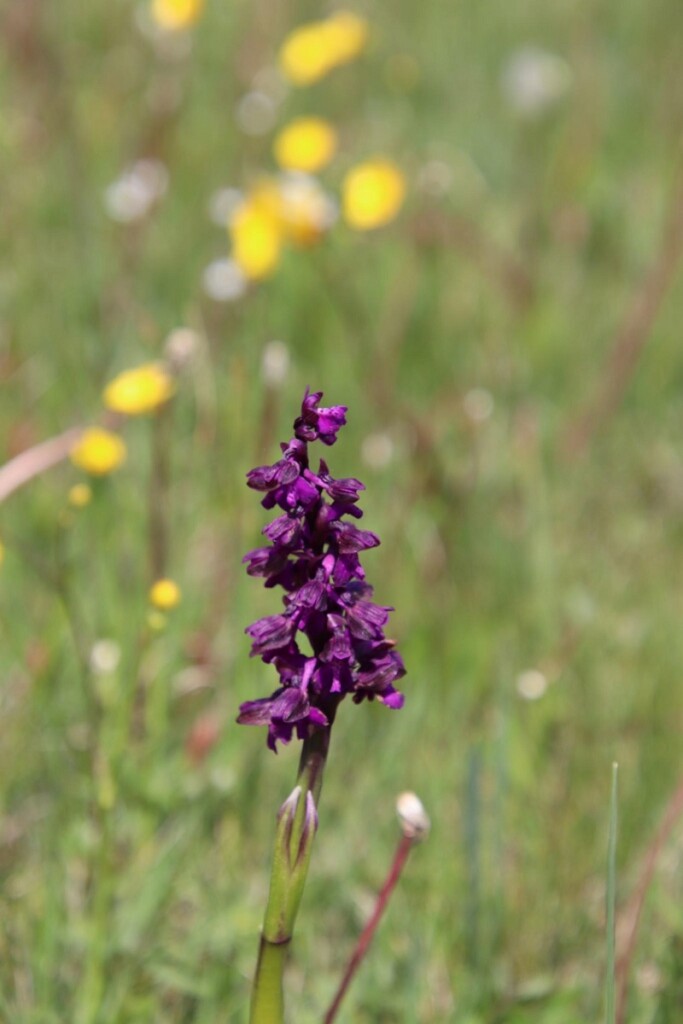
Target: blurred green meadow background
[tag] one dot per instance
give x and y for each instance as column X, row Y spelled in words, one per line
column 509, row 348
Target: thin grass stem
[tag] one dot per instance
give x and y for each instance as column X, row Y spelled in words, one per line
column 610, row 981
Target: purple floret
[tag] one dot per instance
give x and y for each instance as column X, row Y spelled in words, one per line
column 314, row 555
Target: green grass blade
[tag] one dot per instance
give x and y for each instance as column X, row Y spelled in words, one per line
column 610, row 981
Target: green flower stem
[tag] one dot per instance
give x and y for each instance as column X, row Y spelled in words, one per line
column 297, row 822
column 267, row 999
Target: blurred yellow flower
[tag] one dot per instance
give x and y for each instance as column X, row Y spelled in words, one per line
column 164, row 595
column 176, row 14
column 140, row 390
column 292, row 208
column 256, row 235
column 98, row 451
column 2, row 552
column 305, row 144
column 348, row 36
column 372, row 194
column 80, row 495
column 312, row 50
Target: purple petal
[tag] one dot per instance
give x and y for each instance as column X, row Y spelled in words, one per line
column 351, row 539
column 366, row 620
column 270, row 633
column 392, row 698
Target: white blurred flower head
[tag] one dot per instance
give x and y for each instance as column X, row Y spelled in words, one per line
column 531, row 684
column 275, row 364
column 223, row 281
column 181, row 346
column 534, row 80
column 256, row 112
column 134, row 193
column 302, row 194
column 222, row 205
column 105, row 656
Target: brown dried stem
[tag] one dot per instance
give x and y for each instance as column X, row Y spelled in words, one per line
column 631, row 916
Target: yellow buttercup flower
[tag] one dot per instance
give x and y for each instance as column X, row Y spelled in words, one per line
column 98, row 451
column 176, row 14
column 256, row 234
column 164, row 595
column 140, row 390
column 312, row 50
column 305, row 144
column 79, row 495
column 373, row 193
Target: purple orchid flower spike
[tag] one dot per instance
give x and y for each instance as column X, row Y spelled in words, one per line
column 314, row 555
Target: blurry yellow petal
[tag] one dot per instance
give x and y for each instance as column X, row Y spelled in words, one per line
column 140, row 390
column 305, row 144
column 373, row 193
column 98, row 451
column 165, row 594
column 347, row 35
column 312, row 50
column 79, row 496
column 256, row 236
column 176, row 14
column 305, row 55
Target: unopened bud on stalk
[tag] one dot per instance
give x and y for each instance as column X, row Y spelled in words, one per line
column 297, row 823
column 413, row 818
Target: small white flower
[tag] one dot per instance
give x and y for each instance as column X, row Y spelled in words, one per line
column 275, row 364
column 181, row 347
column 301, row 192
column 256, row 113
column 534, row 80
column 223, row 281
column 531, row 684
column 105, row 656
column 223, row 204
column 132, row 196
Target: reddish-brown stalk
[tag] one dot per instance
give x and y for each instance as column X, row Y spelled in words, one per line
column 403, row 849
column 633, row 911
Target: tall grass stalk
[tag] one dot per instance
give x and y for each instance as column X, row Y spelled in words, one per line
column 610, row 980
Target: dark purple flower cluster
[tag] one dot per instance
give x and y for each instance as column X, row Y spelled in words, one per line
column 314, row 555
